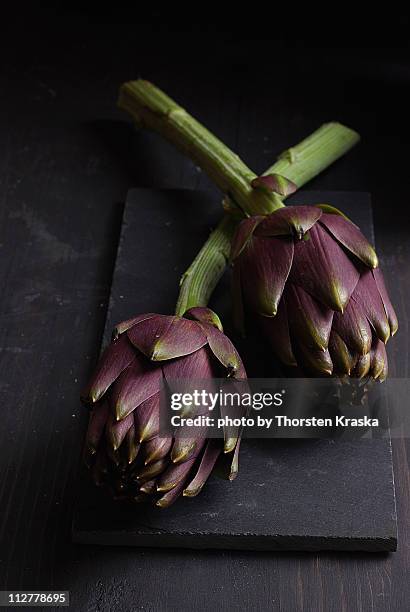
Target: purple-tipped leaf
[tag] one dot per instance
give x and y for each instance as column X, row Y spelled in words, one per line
column 96, row 425
column 324, row 270
column 368, row 297
column 174, row 475
column 243, row 235
column 208, row 461
column 342, row 358
column 350, row 237
column 149, row 487
column 314, row 360
column 117, row 356
column 165, row 337
column 204, row 315
column 353, row 326
column 124, row 326
column 136, row 384
column 225, row 352
column 234, row 466
column 171, row 496
column 274, row 182
column 378, row 360
column 233, row 411
column 310, row 320
column 332, row 210
column 146, row 418
column 132, row 445
column 265, row 267
column 157, row 448
column 276, row 330
column 388, row 307
column 290, row 220
column 152, row 470
column 362, row 366
column 197, row 365
column 117, row 430
column 185, row 447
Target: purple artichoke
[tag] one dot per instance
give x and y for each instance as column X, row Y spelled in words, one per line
column 313, row 281
column 123, row 447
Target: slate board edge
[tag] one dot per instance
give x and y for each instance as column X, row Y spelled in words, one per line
column 246, row 541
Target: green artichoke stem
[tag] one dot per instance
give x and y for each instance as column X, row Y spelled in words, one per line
column 312, row 155
column 199, row 281
column 153, row 109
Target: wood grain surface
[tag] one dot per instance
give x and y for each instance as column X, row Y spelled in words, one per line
column 67, row 159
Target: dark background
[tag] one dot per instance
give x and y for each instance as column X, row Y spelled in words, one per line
column 67, row 159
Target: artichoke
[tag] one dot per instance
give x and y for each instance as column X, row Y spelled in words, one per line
column 124, row 448
column 313, row 282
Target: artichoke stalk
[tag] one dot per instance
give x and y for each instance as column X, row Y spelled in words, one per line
column 307, row 273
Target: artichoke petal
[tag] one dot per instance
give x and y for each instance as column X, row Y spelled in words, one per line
column 265, row 267
column 165, row 337
column 243, row 234
column 117, row 430
column 171, row 496
column 225, row 352
column 146, row 418
column 323, row 269
column 342, row 358
column 136, row 384
column 96, row 425
column 378, row 360
column 368, row 297
column 117, row 356
column 362, row 366
column 276, row 329
column 332, row 210
column 184, row 447
column 313, row 360
column 196, row 365
column 234, row 465
column 131, row 444
column 157, row 448
column 124, row 326
column 233, row 410
column 152, row 470
column 290, row 220
column 350, row 237
column 149, row 487
column 388, row 307
column 353, row 326
column 204, row 315
column 209, row 458
column 173, row 475
column 274, row 182
column 310, row 320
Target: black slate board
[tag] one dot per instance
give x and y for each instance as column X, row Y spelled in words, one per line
column 290, row 494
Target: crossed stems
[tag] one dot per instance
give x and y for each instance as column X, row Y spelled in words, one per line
column 153, row 109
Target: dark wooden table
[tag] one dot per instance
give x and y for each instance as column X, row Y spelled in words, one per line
column 67, row 159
